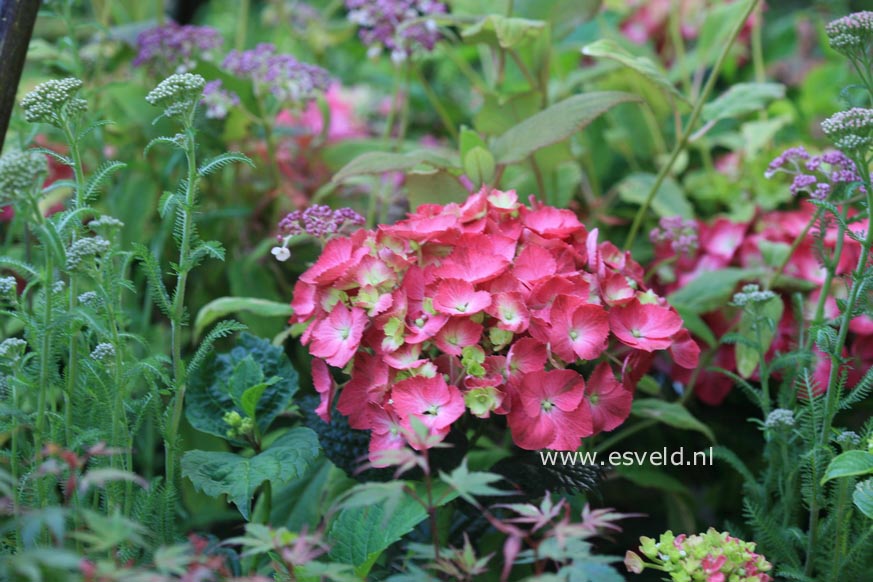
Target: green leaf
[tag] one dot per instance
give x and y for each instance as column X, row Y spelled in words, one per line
column 748, row 355
column 502, row 31
column 360, row 532
column 218, row 473
column 381, row 162
column 251, row 396
column 434, row 187
column 609, row 49
column 863, row 497
column 555, row 124
column 695, row 324
column 223, row 160
column 671, row 413
column 742, row 99
column 470, row 484
column 711, row 290
column 468, row 140
column 849, row 464
column 670, row 199
column 226, row 305
column 217, row 387
column 479, row 166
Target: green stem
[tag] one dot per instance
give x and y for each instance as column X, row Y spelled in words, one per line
column 689, row 127
column 438, row 106
column 242, row 24
column 178, row 311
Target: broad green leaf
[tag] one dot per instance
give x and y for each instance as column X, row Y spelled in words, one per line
column 503, row 31
column 223, row 306
column 670, row 200
column 742, row 99
column 479, row 166
column 849, row 464
column 359, row 533
column 468, row 140
column 671, row 413
column 218, row 473
column 747, row 355
column 218, row 385
column 609, row 49
column 381, row 162
column 710, row 290
column 695, row 324
column 863, row 497
column 434, row 187
column 251, row 396
column 774, row 253
column 555, row 124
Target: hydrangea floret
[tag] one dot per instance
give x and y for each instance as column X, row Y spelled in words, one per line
column 709, row 557
column 174, row 48
column 491, row 307
column 54, row 102
column 398, row 26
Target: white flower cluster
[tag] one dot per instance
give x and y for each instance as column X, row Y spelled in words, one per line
column 780, row 418
column 12, row 349
column 177, row 94
column 85, row 248
column 851, row 34
column 850, row 130
column 105, row 224
column 103, row 351
column 8, row 285
column 54, row 101
column 89, row 299
column 752, row 294
column 19, row 171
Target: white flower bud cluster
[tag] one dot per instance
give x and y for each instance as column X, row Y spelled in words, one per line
column 12, row 349
column 851, row 34
column 850, row 130
column 177, row 94
column 85, row 248
column 53, row 101
column 103, row 351
column 8, row 285
column 752, row 294
column 19, row 171
column 779, row 418
column 105, row 224
column 89, row 299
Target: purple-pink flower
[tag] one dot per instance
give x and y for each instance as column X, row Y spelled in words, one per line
column 173, row 48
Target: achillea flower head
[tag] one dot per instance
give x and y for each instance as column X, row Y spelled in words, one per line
column 752, row 294
column 779, row 418
column 398, row 26
column 12, row 349
column 848, row 440
column 103, row 351
column 20, row 171
column 850, row 130
column 54, row 101
column 814, row 174
column 681, row 234
column 85, row 248
column 217, row 100
column 105, row 225
column 851, row 35
column 89, row 299
column 8, row 285
column 173, row 48
column 318, row 221
column 177, row 94
column 282, row 75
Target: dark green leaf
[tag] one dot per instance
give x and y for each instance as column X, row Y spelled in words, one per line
column 671, row 413
column 710, row 290
column 670, row 200
column 381, row 162
column 849, row 464
column 609, row 49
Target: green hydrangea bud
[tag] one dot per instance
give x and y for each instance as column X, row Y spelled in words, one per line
column 482, row 401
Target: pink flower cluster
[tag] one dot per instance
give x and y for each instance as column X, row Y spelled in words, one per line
column 725, row 243
column 488, row 307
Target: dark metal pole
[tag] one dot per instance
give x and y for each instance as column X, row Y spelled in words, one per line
column 17, row 18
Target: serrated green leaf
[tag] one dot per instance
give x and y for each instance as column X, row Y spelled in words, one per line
column 503, row 31
column 849, row 464
column 217, row 387
column 748, row 355
column 863, row 497
column 555, row 124
column 381, row 162
column 741, row 99
column 218, row 473
column 670, row 413
column 609, row 49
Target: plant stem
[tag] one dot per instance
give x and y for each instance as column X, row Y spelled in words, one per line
column 438, row 106
column 178, row 312
column 689, row 127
